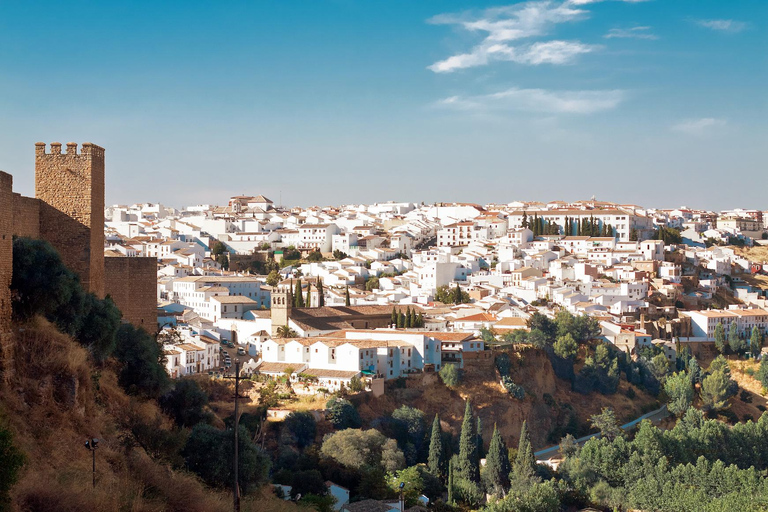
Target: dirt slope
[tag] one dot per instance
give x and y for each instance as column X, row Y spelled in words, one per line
column 548, row 402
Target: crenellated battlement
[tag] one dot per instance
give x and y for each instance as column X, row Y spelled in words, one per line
column 88, row 149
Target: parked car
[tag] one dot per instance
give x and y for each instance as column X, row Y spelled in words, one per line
column 240, row 351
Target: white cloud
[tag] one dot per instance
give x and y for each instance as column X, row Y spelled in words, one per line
column 630, row 33
column 539, row 100
column 698, row 126
column 512, row 23
column 723, row 25
column 550, row 52
column 587, row 2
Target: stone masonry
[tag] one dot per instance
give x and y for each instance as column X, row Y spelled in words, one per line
column 70, row 187
column 6, row 267
column 132, row 285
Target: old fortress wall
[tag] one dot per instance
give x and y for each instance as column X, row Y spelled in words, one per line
column 6, row 261
column 68, row 212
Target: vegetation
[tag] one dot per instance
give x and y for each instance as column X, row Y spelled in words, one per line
column 450, row 375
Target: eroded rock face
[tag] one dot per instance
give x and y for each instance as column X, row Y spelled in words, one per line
column 65, row 389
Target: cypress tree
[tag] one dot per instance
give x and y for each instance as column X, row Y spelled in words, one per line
column 408, row 317
column 298, row 299
column 309, row 295
column 435, row 461
column 457, row 297
column 479, row 438
column 468, row 463
column 393, row 318
column 525, row 219
column 497, row 466
column 400, row 320
column 450, row 481
column 411, row 317
column 525, row 463
column 320, row 293
column 346, row 296
column 535, row 224
column 420, row 320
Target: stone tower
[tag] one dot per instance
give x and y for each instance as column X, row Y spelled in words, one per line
column 282, row 302
column 70, row 187
column 6, row 269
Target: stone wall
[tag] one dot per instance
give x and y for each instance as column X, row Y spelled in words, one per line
column 26, row 216
column 70, row 187
column 6, row 268
column 132, row 284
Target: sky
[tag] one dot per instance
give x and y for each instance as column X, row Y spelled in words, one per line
column 658, row 103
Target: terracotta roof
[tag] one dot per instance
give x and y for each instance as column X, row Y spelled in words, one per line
column 480, row 317
column 333, row 374
column 266, row 367
column 450, row 336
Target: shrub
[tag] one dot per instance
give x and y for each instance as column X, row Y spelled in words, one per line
column 11, row 460
column 342, row 414
column 141, row 357
column 512, row 388
column 450, row 375
column 185, row 403
column 209, row 453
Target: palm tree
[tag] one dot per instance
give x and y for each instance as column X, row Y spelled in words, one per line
column 286, row 332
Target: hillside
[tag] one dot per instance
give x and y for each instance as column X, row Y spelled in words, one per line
column 52, row 398
column 548, row 405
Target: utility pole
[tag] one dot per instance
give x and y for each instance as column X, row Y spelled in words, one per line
column 92, row 444
column 235, row 483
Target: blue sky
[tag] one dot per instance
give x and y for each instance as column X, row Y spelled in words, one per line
column 658, row 102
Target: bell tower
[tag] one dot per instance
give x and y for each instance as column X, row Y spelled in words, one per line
column 282, row 302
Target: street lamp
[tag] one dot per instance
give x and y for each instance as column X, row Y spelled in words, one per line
column 402, row 501
column 92, row 444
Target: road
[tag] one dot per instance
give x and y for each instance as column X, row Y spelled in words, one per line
column 653, row 416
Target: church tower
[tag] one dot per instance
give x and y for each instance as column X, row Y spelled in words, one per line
column 282, row 302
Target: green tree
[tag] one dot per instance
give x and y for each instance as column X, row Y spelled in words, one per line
column 360, row 449
column 400, row 320
column 435, row 460
column 342, row 414
column 720, row 337
column 497, row 466
column 714, row 390
column 346, row 296
column 302, row 428
column 372, row 284
column 633, row 237
column 298, row 298
column 11, row 461
column 142, row 362
column 468, row 463
column 273, row 278
column 606, row 423
column 734, row 342
column 524, row 468
column 286, row 332
column 393, row 317
column 186, row 403
column 755, row 341
column 308, row 300
column 339, row 255
column 450, row 375
column 315, row 256
column 209, row 453
column 679, row 389
column 320, row 293
column 413, row 484
column 565, row 347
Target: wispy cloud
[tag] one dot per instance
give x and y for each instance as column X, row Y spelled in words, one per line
column 539, row 100
column 503, row 25
column 723, row 25
column 550, row 52
column 630, row 33
column 587, row 2
column 698, row 126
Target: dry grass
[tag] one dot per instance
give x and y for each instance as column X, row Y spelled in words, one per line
column 55, row 399
column 757, row 254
